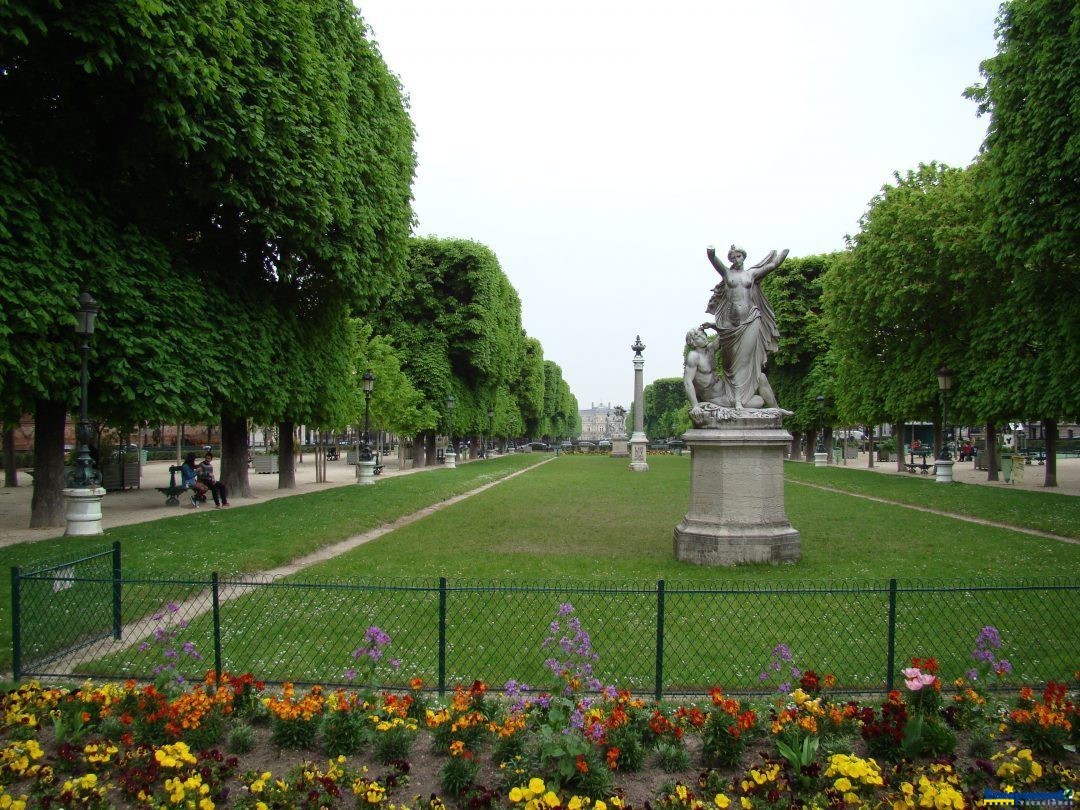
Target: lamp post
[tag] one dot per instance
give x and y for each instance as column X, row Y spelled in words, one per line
column 820, row 456
column 491, row 431
column 365, row 464
column 943, row 469
column 83, row 493
column 450, row 456
column 369, row 384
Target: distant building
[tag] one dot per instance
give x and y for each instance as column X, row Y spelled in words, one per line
column 601, row 422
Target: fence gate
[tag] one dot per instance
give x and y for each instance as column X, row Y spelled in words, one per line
column 58, row 607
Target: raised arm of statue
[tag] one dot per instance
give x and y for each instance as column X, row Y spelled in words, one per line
column 768, row 264
column 721, row 268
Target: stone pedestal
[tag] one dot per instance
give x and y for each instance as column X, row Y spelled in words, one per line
column 639, row 445
column 365, row 472
column 821, row 459
column 737, row 510
column 619, row 447
column 450, row 459
column 943, row 471
column 83, row 511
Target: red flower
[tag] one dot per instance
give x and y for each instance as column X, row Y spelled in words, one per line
column 613, row 758
column 581, row 764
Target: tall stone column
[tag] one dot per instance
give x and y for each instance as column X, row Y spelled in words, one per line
column 639, row 442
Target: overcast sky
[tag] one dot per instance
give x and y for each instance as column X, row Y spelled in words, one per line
column 599, row 147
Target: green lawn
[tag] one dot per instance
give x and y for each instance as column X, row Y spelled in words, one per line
column 1047, row 511
column 193, row 544
column 585, row 529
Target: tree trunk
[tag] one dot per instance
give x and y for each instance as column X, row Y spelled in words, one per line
column 870, row 445
column 992, row 460
column 11, row 472
column 234, row 455
column 429, row 448
column 828, row 444
column 793, row 450
column 286, row 458
column 808, row 447
column 898, row 440
column 47, row 503
column 1050, row 431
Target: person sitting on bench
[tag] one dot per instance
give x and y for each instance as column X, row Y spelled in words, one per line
column 206, row 477
column 189, row 477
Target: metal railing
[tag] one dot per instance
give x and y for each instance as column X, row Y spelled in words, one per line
column 82, row 618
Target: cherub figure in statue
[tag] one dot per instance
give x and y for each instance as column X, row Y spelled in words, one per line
column 745, row 327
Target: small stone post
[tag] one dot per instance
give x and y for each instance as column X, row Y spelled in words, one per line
column 639, row 442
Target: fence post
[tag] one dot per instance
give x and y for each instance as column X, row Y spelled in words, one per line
column 117, row 620
column 16, row 622
column 891, row 642
column 217, row 626
column 659, row 639
column 442, row 636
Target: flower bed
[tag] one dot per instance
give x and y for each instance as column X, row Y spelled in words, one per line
column 581, row 745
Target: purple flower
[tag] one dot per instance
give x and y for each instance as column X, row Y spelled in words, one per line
column 610, row 693
column 172, row 655
column 144, row 647
column 764, row 676
column 172, row 607
column 1003, row 667
column 350, row 674
column 782, row 651
column 189, row 648
column 544, row 701
column 785, row 687
column 795, row 673
column 395, row 663
column 554, row 627
column 989, row 635
column 972, row 675
column 565, row 609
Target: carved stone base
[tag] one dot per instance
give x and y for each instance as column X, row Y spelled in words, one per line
column 821, row 459
column 365, row 473
column 619, row 448
column 737, row 513
column 83, row 511
column 639, row 445
column 450, row 459
column 943, row 471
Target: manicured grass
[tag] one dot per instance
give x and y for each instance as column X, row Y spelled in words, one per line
column 1047, row 511
column 255, row 538
column 591, row 532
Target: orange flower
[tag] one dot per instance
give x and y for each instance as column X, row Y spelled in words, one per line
column 416, row 684
column 613, row 758
column 581, row 764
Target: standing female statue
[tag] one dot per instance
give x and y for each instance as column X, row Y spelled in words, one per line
column 745, row 325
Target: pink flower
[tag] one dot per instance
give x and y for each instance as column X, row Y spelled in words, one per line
column 915, row 679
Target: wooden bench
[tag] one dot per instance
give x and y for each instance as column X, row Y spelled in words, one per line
column 174, row 490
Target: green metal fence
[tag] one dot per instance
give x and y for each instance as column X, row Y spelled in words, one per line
column 655, row 637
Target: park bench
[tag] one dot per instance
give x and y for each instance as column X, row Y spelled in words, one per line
column 174, row 490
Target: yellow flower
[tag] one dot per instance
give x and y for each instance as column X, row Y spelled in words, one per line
column 843, row 784
column 599, row 805
column 551, row 799
column 536, row 785
column 515, row 794
column 721, row 801
column 574, row 803
column 746, row 803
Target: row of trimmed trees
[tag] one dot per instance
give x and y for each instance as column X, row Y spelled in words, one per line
column 976, row 268
column 231, row 179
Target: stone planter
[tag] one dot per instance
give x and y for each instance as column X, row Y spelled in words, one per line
column 265, row 464
column 121, row 476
